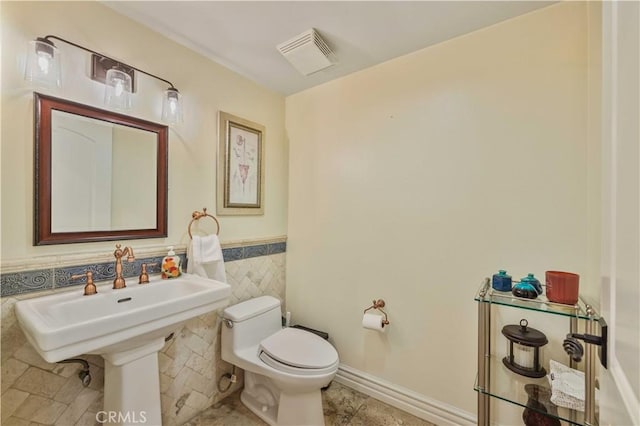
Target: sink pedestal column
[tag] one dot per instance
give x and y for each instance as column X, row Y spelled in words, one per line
column 132, row 386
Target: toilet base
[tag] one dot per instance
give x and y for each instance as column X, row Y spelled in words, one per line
column 278, row 408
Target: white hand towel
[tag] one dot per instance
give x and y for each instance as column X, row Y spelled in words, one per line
column 567, row 386
column 205, row 258
column 206, row 249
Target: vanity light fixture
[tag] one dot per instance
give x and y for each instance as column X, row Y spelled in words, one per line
column 43, row 63
column 43, row 68
column 172, row 106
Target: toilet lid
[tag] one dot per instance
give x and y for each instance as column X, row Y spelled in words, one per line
column 299, row 348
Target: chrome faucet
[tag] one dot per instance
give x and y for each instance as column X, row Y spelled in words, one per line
column 118, row 253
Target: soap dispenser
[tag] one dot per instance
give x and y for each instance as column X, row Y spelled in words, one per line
column 171, row 265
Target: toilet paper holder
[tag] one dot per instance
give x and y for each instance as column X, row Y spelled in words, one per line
column 379, row 304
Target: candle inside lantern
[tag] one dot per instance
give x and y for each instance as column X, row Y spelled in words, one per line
column 523, row 356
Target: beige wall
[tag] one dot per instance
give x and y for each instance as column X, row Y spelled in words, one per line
column 412, row 180
column 206, row 86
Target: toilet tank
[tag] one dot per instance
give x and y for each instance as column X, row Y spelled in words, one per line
column 253, row 320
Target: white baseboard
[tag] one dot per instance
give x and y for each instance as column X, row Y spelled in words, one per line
column 414, row 403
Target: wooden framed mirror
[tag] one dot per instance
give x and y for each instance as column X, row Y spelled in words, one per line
column 99, row 175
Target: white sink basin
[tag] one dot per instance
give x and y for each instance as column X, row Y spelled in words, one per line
column 66, row 325
column 127, row 327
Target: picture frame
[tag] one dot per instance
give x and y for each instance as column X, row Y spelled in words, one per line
column 240, row 176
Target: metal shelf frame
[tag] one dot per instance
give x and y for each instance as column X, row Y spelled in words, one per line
column 486, row 297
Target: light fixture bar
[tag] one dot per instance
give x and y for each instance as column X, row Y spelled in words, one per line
column 118, row 63
column 42, row 67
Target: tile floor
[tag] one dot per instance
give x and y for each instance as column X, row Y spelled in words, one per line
column 342, row 406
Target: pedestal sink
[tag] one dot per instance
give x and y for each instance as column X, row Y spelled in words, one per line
column 127, row 327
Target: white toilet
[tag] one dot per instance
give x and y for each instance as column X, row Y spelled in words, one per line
column 285, row 368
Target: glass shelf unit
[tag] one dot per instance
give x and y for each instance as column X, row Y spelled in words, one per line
column 541, row 304
column 494, row 380
column 507, row 387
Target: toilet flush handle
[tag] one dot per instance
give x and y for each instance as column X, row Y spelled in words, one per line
column 228, row 322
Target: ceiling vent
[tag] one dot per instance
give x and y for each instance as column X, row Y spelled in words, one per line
column 307, row 52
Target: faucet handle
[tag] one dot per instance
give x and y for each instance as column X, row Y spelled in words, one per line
column 144, row 276
column 90, row 287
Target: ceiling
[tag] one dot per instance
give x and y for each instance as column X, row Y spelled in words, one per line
column 242, row 35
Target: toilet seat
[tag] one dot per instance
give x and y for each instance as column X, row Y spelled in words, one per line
column 297, row 351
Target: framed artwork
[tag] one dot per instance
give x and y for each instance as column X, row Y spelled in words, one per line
column 240, row 166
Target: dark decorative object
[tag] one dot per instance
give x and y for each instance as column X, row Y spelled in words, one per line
column 529, row 287
column 539, row 407
column 524, row 349
column 524, row 290
column 573, row 347
column 531, row 279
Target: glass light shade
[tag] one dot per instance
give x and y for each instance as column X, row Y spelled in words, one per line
column 43, row 64
column 172, row 106
column 117, row 92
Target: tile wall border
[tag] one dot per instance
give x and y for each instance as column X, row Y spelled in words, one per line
column 54, row 272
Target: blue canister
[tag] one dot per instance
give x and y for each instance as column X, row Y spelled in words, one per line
column 533, row 281
column 501, row 281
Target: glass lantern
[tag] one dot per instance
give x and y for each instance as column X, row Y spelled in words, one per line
column 524, row 344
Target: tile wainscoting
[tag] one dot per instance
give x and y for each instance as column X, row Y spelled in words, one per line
column 49, row 273
column 34, row 391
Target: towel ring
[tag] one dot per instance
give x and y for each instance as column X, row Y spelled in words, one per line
column 197, row 215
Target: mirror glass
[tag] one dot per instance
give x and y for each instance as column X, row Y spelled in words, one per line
column 100, row 175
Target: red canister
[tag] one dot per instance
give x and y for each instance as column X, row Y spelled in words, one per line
column 562, row 287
